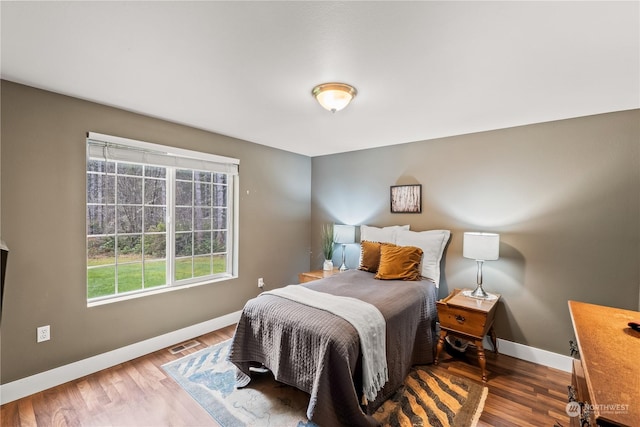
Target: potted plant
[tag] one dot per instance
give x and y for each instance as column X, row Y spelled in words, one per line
column 326, row 240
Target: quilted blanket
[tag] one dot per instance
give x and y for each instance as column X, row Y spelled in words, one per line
column 364, row 317
column 319, row 352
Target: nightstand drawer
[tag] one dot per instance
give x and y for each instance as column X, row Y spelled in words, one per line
column 462, row 320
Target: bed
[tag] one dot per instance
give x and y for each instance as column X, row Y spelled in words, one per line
column 319, row 353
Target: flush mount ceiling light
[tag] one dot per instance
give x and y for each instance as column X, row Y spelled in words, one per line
column 334, row 96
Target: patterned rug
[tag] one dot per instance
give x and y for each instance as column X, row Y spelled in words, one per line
column 427, row 398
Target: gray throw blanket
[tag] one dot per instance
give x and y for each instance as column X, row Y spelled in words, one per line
column 365, row 318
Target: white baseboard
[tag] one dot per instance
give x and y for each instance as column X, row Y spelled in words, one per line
column 531, row 354
column 535, row 355
column 54, row 377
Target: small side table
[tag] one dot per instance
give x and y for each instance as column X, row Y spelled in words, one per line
column 468, row 318
column 316, row 274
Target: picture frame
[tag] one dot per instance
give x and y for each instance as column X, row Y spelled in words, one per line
column 406, row 198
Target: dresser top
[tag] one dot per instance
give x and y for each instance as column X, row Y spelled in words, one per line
column 610, row 354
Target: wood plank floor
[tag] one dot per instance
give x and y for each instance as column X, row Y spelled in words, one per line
column 138, row 393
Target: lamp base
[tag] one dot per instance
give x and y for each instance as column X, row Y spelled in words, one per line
column 479, row 293
column 343, row 267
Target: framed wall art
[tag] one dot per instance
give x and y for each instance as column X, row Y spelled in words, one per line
column 406, row 198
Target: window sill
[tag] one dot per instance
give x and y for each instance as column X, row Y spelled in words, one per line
column 160, row 290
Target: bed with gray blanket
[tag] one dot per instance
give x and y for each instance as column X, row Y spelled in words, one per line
column 319, row 352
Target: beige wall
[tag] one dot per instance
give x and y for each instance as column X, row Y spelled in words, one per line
column 564, row 196
column 43, row 223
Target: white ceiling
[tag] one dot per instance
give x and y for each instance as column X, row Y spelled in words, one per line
column 246, row 69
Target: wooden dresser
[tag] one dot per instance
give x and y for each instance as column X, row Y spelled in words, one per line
column 606, row 377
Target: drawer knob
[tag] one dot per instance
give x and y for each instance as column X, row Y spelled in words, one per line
column 460, row 318
column 573, row 348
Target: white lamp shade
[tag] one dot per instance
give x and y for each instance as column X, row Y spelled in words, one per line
column 481, row 246
column 344, row 233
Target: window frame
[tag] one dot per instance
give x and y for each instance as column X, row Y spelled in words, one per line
column 126, row 150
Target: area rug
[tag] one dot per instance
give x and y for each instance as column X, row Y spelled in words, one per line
column 428, row 397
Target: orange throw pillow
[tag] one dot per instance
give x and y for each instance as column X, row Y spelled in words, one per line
column 370, row 256
column 399, row 263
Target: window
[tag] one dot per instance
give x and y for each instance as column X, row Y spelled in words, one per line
column 157, row 217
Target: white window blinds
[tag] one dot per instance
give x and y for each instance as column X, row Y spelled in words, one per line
column 109, row 147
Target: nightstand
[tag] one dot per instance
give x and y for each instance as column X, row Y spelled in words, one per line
column 470, row 319
column 316, row 274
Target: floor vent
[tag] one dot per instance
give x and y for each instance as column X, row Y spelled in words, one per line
column 184, row 346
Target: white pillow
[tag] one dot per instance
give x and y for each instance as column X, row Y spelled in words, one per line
column 432, row 243
column 381, row 235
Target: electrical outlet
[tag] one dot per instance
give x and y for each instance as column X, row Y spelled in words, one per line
column 44, row 333
column 261, row 283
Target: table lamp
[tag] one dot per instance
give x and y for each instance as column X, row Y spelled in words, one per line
column 481, row 247
column 344, row 235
